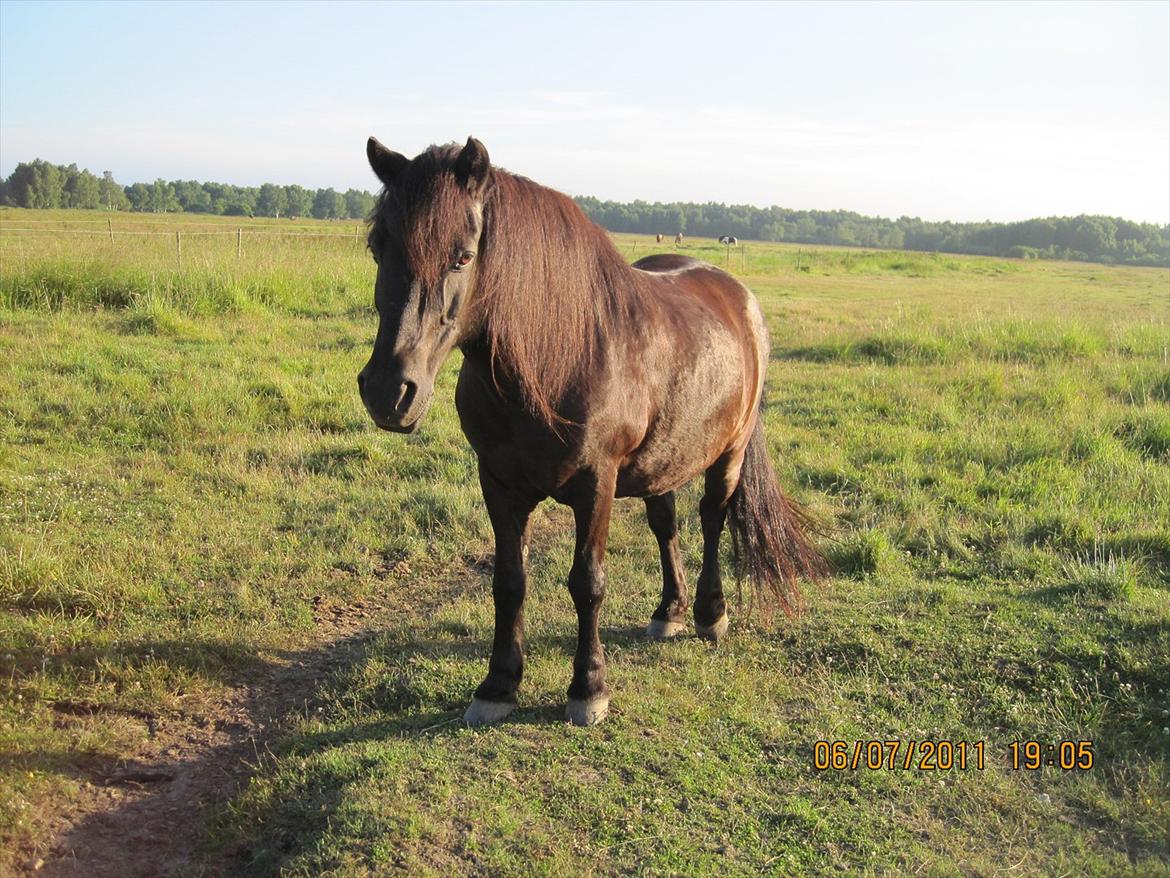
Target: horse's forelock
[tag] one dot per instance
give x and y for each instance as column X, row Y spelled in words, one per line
column 426, row 210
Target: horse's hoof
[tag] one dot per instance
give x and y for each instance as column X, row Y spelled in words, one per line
column 587, row 713
column 715, row 632
column 482, row 713
column 664, row 629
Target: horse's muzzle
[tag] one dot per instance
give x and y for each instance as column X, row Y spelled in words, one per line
column 406, row 404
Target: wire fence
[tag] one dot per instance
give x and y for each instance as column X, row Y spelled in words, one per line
column 171, row 223
column 33, row 227
column 129, row 241
column 288, row 233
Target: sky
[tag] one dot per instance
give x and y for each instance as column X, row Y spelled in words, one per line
column 962, row 111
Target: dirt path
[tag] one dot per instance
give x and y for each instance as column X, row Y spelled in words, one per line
column 142, row 816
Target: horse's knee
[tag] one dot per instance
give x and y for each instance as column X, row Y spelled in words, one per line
column 587, row 583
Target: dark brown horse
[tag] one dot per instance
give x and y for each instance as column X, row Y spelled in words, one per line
column 583, row 378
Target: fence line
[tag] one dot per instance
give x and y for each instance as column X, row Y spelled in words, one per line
column 64, row 224
column 233, row 232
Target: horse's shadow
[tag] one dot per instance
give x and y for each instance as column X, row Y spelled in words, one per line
column 163, row 813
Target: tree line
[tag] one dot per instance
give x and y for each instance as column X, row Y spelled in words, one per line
column 1087, row 238
column 43, row 185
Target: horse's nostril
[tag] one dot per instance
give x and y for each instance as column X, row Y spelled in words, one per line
column 405, row 396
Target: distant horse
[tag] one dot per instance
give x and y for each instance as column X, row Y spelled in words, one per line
column 583, row 378
column 729, row 240
column 678, row 238
column 658, row 237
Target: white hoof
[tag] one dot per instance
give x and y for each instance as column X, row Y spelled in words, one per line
column 661, row 629
column 714, row 632
column 482, row 713
column 587, row 713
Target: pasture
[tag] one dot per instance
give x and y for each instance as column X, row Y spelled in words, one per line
column 214, row 569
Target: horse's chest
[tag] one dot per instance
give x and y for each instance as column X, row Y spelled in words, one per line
column 510, row 443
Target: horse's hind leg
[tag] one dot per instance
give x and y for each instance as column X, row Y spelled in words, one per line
column 670, row 619
column 710, row 606
column 509, row 512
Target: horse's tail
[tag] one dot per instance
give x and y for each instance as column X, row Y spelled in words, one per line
column 769, row 532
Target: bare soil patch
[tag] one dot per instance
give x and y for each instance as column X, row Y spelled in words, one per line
column 141, row 815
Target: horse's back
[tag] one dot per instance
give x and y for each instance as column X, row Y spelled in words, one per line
column 688, row 283
column 665, row 263
column 691, row 286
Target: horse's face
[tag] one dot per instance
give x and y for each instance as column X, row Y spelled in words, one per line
column 425, row 238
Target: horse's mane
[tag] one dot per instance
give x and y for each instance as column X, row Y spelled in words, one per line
column 550, row 285
column 551, row 289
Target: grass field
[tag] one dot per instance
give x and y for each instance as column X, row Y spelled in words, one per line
column 190, row 491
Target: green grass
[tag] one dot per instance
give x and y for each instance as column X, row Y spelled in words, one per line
column 185, row 469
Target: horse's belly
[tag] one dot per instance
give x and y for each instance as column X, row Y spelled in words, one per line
column 662, row 468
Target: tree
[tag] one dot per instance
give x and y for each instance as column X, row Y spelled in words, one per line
column 113, row 197
column 328, row 204
column 36, row 184
column 271, row 200
column 80, row 189
column 239, row 201
column 358, row 204
column 138, row 196
column 18, row 186
column 218, row 195
column 192, row 197
column 299, row 200
column 162, row 197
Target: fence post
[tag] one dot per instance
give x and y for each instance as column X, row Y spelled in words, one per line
column 239, row 243
column 743, row 259
column 110, row 225
column 179, row 246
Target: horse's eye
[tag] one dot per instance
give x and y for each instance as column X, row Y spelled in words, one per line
column 463, row 260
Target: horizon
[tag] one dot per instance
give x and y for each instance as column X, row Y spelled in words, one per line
column 894, row 112
column 728, row 204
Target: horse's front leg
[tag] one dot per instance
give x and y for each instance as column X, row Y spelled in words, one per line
column 509, row 512
column 592, row 502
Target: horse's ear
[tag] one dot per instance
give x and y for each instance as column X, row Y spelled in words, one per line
column 386, row 163
column 472, row 167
